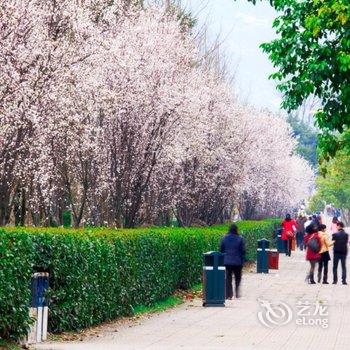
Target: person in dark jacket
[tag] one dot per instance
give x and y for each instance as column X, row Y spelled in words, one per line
column 233, row 246
column 340, row 250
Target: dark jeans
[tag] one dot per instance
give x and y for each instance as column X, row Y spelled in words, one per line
column 237, row 271
column 300, row 240
column 342, row 258
column 323, row 265
column 288, row 246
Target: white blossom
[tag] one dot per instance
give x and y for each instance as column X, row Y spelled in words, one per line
column 107, row 109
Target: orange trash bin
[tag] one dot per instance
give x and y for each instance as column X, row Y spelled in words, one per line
column 273, row 259
column 293, row 244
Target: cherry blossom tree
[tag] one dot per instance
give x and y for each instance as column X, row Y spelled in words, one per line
column 276, row 179
column 111, row 110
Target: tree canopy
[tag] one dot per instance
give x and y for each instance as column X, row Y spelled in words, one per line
column 334, row 187
column 307, row 139
column 312, row 57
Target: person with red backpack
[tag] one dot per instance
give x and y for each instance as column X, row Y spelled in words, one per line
column 312, row 242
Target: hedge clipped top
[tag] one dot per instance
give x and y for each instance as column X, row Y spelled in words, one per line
column 243, row 226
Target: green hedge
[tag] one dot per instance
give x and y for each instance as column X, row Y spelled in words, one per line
column 100, row 274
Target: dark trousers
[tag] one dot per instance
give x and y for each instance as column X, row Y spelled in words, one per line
column 323, row 265
column 288, row 246
column 300, row 240
column 342, row 258
column 237, row 271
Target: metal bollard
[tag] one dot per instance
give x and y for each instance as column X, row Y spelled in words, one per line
column 262, row 265
column 39, row 308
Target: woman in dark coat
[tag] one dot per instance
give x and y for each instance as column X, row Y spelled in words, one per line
column 233, row 246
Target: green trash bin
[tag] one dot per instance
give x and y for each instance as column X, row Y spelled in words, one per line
column 213, row 279
column 280, row 243
column 262, row 260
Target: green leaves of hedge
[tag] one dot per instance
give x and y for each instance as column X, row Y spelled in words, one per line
column 100, row 274
column 16, row 256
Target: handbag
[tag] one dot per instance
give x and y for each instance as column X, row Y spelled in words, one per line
column 290, row 234
column 314, row 244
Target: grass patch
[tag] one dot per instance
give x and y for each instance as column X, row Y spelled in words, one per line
column 159, row 306
column 6, row 345
column 197, row 288
column 178, row 298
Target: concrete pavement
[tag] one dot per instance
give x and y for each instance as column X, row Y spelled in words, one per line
column 299, row 322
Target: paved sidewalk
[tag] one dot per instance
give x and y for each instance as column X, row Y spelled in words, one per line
column 191, row 326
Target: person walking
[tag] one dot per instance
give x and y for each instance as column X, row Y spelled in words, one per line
column 340, row 250
column 289, row 226
column 233, row 246
column 325, row 257
column 313, row 245
column 301, row 231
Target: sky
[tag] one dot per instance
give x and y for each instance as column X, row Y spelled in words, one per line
column 242, row 28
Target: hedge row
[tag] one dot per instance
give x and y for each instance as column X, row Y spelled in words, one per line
column 100, row 274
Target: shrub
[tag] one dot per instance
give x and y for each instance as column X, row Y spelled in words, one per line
column 100, row 274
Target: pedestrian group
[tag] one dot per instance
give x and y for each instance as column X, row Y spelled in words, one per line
column 311, row 234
